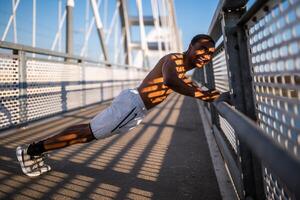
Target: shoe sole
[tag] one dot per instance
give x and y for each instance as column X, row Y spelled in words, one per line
column 19, row 153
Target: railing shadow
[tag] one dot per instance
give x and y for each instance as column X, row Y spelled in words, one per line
column 56, row 98
column 165, row 158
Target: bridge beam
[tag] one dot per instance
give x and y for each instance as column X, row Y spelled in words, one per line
column 126, row 30
column 99, row 29
column 69, row 27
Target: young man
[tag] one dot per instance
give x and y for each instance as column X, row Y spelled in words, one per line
column 130, row 107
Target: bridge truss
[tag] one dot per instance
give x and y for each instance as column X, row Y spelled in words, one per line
column 61, row 55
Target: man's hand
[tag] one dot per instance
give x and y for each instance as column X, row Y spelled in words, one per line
column 226, row 97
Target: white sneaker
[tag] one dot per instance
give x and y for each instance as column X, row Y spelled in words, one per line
column 31, row 165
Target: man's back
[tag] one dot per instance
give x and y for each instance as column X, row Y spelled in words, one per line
column 153, row 90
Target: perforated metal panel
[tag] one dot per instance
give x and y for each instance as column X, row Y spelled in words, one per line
column 220, row 71
column 9, row 91
column 53, row 87
column 50, row 86
column 95, row 90
column 274, row 188
column 222, row 84
column 274, row 42
column 275, row 61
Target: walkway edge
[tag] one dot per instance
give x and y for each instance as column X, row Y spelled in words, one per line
column 223, row 178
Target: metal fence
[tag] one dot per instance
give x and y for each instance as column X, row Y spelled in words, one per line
column 33, row 88
column 258, row 60
column 36, row 83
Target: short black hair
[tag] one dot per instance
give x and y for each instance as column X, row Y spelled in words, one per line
column 198, row 37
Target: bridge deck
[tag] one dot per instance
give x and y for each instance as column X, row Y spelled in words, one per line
column 166, row 157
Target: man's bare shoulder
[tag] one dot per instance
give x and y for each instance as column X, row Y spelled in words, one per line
column 171, row 58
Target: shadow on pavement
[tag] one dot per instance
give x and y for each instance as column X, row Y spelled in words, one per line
column 166, row 157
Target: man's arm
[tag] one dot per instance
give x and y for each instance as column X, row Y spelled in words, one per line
column 174, row 80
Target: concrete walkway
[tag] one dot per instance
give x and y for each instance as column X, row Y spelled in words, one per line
column 166, row 157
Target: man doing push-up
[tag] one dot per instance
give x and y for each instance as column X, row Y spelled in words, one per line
column 130, row 107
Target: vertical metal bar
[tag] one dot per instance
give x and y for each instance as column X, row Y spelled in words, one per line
column 84, row 48
column 165, row 26
column 33, row 24
column 126, row 30
column 105, row 15
column 22, row 86
column 58, row 33
column 155, row 14
column 144, row 43
column 87, row 16
column 83, row 81
column 116, row 31
column 249, row 105
column 118, row 57
column 161, row 24
column 101, row 92
column 14, row 21
column 69, row 27
column 211, row 84
column 204, row 75
column 12, row 16
column 58, row 24
column 199, row 75
column 64, row 99
column 229, row 30
column 99, row 29
column 174, row 25
column 112, row 24
column 170, row 27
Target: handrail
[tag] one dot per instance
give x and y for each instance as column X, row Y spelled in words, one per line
column 41, row 51
column 278, row 160
column 254, row 8
column 215, row 29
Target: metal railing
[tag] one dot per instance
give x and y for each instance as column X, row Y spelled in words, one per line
column 258, row 62
column 33, row 88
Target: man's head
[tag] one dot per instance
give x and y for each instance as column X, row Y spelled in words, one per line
column 200, row 50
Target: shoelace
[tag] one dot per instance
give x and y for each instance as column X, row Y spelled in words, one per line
column 37, row 160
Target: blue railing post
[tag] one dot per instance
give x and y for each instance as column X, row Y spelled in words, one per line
column 248, row 104
column 211, row 84
column 252, row 182
column 22, row 86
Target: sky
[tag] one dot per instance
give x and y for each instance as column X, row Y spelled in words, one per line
column 194, row 17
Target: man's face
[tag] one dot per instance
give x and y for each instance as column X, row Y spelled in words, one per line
column 201, row 52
